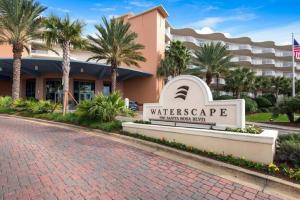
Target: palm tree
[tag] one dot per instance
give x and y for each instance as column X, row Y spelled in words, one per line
column 261, row 83
column 239, row 80
column 115, row 43
column 215, row 58
column 177, row 59
column 67, row 34
column 20, row 24
column 281, row 85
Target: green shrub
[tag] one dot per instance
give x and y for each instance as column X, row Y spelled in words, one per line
column 103, row 108
column 32, row 106
column 271, row 98
column 263, row 102
column 223, row 97
column 38, row 107
column 250, row 105
column 288, row 150
column 20, row 105
column 248, row 129
column 5, row 102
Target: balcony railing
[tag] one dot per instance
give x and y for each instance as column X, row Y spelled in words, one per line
column 256, row 61
column 268, row 61
column 268, row 50
column 268, row 73
column 283, row 53
column 38, row 51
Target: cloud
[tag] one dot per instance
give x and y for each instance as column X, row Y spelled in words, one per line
column 280, row 34
column 60, row 9
column 213, row 21
column 209, row 8
column 141, row 3
column 208, row 30
column 101, row 8
column 104, row 9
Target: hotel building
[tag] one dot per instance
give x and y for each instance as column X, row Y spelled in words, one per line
column 264, row 58
column 41, row 71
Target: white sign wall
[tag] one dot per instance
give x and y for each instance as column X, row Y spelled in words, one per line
column 188, row 99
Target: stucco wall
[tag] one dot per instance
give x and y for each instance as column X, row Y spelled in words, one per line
column 257, row 148
column 150, row 28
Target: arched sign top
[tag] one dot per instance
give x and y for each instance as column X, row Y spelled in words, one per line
column 187, row 99
column 185, row 88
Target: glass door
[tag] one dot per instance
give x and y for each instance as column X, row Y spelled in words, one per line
column 54, row 90
column 30, row 88
column 84, row 90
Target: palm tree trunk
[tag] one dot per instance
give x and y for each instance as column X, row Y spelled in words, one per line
column 208, row 77
column 114, row 77
column 66, row 72
column 218, row 90
column 17, row 55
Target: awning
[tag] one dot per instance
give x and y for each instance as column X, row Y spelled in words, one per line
column 41, row 66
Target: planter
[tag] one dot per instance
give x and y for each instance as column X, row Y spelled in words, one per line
column 254, row 147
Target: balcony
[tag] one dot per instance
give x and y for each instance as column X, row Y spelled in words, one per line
column 268, row 73
column 245, row 47
column 168, row 33
column 268, row 50
column 268, row 62
column 234, row 47
column 241, row 59
column 283, row 53
column 39, row 51
column 191, row 39
column 256, row 61
column 258, row 50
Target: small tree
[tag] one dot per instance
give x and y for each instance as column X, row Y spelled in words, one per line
column 281, row 85
column 239, row 80
column 20, row 23
column 115, row 43
column 289, row 106
column 260, row 83
column 67, row 34
column 177, row 59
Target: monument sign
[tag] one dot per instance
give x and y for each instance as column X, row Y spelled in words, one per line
column 187, row 101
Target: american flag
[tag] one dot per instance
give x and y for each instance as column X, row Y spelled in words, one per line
column 296, row 49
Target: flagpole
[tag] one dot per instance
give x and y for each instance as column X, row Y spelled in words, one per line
column 293, row 81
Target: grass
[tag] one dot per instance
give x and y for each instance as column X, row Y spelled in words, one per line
column 265, row 117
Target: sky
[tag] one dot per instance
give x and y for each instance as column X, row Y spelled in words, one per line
column 259, row 19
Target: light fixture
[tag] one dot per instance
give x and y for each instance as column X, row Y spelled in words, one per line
column 36, row 68
column 81, row 70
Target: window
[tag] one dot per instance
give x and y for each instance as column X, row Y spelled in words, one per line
column 84, row 90
column 30, row 88
column 106, row 88
column 54, row 91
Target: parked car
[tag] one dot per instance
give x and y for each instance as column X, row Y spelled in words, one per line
column 133, row 105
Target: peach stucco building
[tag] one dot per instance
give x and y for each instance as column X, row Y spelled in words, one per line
column 41, row 69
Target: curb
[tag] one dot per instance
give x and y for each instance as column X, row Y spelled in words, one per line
column 271, row 183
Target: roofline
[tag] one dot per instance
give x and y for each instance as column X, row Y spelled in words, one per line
column 160, row 9
column 221, row 36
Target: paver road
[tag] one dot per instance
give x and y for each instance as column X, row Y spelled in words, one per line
column 46, row 162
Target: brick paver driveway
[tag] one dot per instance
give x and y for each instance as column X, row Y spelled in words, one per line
column 47, row 162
